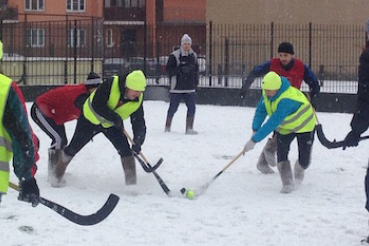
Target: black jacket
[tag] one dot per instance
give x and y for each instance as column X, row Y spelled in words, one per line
column 100, row 106
column 183, row 71
column 360, row 120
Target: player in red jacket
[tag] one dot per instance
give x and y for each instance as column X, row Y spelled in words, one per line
column 55, row 107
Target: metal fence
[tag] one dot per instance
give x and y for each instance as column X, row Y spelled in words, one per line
column 65, row 51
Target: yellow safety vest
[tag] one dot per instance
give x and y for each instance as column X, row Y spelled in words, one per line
column 303, row 120
column 6, row 152
column 124, row 110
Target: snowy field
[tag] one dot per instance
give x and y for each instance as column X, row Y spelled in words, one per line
column 242, row 207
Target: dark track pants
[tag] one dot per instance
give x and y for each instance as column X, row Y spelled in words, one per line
column 305, row 142
column 85, row 131
column 55, row 132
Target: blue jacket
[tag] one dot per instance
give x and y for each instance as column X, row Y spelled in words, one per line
column 285, row 108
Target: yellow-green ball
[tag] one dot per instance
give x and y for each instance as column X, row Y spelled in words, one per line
column 190, row 194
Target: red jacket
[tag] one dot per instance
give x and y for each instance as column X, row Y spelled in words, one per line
column 295, row 75
column 58, row 104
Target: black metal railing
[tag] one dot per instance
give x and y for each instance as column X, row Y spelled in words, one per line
column 65, row 51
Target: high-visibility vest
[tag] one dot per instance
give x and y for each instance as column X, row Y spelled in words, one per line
column 6, row 152
column 124, row 110
column 303, row 120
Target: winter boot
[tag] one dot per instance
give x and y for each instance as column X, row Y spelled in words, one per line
column 54, row 155
column 263, row 166
column 299, row 172
column 285, row 171
column 129, row 167
column 168, row 123
column 58, row 171
column 189, row 126
column 269, row 151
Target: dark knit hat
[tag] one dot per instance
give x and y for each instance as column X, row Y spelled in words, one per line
column 93, row 80
column 286, row 47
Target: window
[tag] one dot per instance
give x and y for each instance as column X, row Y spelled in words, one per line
column 35, row 37
column 34, row 4
column 125, row 3
column 109, row 38
column 76, row 5
column 80, row 37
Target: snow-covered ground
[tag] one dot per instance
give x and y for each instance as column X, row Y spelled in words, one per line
column 242, row 207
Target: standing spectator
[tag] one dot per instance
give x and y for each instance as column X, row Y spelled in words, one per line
column 16, row 142
column 182, row 68
column 117, row 99
column 54, row 108
column 291, row 116
column 295, row 71
column 360, row 119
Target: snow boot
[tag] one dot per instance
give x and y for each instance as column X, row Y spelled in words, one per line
column 129, row 167
column 285, row 172
column 168, row 124
column 54, row 155
column 299, row 172
column 57, row 177
column 263, row 166
column 189, row 126
column 269, row 151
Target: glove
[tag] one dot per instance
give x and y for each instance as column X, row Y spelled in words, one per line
column 118, row 123
column 314, row 92
column 351, row 140
column 136, row 148
column 29, row 192
column 248, row 146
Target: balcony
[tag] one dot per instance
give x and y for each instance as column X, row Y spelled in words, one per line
column 124, row 14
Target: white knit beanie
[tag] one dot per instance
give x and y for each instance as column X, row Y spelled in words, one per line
column 186, row 39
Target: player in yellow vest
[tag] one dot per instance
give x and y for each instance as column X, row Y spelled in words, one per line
column 15, row 142
column 117, row 99
column 291, row 116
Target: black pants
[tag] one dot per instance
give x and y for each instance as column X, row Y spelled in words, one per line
column 367, row 188
column 84, row 132
column 188, row 98
column 304, row 141
column 55, row 132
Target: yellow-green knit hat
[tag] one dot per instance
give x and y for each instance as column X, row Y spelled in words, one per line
column 271, row 81
column 136, row 81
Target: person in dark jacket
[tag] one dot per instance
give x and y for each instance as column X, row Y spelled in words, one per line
column 17, row 142
column 36, row 142
column 295, row 71
column 117, row 98
column 291, row 116
column 182, row 68
column 360, row 119
column 54, row 108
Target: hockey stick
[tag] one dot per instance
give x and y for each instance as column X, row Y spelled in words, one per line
column 324, row 141
column 158, row 178
column 84, row 220
column 147, row 168
column 206, row 186
column 331, row 144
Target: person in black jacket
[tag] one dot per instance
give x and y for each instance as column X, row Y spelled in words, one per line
column 182, row 68
column 360, row 120
column 116, row 99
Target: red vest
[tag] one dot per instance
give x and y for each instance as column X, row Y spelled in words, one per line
column 295, row 75
column 58, row 103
